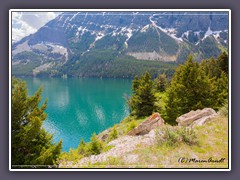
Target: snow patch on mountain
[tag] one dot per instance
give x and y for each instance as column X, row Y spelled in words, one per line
column 129, row 35
column 100, row 35
column 169, row 31
column 145, row 28
column 208, row 33
column 66, row 20
column 81, row 31
column 73, row 16
column 185, row 34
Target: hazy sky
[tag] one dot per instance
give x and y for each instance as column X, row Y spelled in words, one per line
column 25, row 23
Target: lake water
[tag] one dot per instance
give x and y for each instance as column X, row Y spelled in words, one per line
column 78, row 107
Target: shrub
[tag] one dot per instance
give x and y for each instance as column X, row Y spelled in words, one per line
column 95, row 146
column 131, row 126
column 171, row 136
column 188, row 136
column 224, row 110
column 113, row 135
column 82, row 147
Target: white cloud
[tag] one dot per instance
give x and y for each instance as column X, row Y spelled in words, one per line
column 26, row 23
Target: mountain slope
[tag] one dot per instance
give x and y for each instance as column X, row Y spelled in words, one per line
column 78, row 43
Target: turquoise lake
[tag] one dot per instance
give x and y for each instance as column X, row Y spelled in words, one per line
column 79, row 107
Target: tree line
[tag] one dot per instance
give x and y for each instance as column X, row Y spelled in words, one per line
column 193, row 86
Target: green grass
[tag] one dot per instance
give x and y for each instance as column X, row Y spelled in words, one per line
column 212, row 142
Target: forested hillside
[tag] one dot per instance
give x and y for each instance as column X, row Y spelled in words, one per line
column 119, row 44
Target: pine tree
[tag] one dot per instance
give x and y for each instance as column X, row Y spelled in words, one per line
column 31, row 144
column 82, row 147
column 161, row 82
column 135, row 84
column 95, row 145
column 190, row 89
column 214, row 68
column 142, row 100
column 217, row 72
column 223, row 62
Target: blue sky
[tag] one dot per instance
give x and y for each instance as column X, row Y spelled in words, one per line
column 25, row 23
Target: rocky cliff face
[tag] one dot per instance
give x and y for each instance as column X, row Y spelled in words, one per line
column 75, row 37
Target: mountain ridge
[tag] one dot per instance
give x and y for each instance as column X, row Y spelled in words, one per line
column 71, row 38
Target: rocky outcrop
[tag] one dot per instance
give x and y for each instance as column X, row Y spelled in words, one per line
column 122, row 147
column 196, row 118
column 145, row 127
column 152, row 56
column 103, row 136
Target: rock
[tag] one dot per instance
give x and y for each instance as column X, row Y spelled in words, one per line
column 203, row 120
column 145, row 127
column 103, row 136
column 198, row 117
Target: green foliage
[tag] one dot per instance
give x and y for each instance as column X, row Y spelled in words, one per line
column 26, row 69
column 209, row 47
column 27, row 55
column 214, row 68
column 128, row 67
column 220, row 90
column 217, row 72
column 223, row 62
column 95, row 146
column 171, row 136
column 31, row 144
column 152, row 40
column 195, row 86
column 82, row 44
column 107, row 148
column 111, row 42
column 81, row 147
column 113, row 134
column 135, row 84
column 161, row 82
column 160, row 101
column 142, row 100
column 224, row 110
column 100, row 63
column 131, row 125
column 190, row 89
column 144, row 41
column 211, row 67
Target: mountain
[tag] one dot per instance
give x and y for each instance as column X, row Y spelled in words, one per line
column 119, row 44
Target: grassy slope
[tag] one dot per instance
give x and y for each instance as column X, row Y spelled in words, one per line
column 213, row 142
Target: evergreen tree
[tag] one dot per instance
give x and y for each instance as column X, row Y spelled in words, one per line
column 95, row 145
column 217, row 71
column 214, row 68
column 190, row 89
column 219, row 90
column 223, row 62
column 161, row 82
column 135, row 84
column 142, row 100
column 211, row 68
column 82, row 147
column 31, row 144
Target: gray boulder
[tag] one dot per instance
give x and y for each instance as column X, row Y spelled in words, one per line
column 196, row 118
